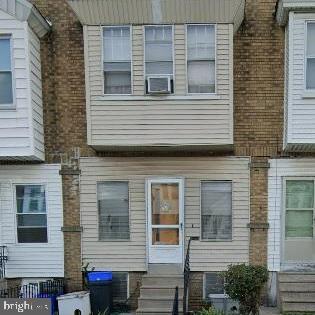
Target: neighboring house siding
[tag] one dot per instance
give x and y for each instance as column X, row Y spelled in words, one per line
column 301, row 105
column 32, row 260
column 131, row 255
column 279, row 169
column 140, row 120
column 20, row 134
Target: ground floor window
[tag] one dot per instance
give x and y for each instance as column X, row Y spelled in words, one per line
column 120, row 287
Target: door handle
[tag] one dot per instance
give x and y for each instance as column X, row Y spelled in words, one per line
column 181, row 226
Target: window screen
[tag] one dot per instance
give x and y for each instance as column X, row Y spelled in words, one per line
column 6, row 90
column 113, row 206
column 159, row 51
column 299, row 208
column 201, row 58
column 117, row 60
column 120, row 287
column 31, row 214
column 214, row 284
column 310, row 56
column 216, row 210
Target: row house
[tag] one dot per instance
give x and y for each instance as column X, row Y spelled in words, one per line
column 31, row 210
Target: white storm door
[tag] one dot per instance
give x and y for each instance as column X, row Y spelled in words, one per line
column 165, row 214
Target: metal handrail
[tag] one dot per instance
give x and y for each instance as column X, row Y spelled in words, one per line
column 175, row 303
column 187, row 275
column 3, row 260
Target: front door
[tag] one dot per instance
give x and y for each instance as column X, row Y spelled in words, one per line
column 299, row 216
column 165, row 212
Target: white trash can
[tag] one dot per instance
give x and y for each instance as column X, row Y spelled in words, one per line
column 75, row 303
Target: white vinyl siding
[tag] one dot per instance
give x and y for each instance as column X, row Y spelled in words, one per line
column 131, row 255
column 216, row 210
column 175, row 120
column 201, row 58
column 32, row 260
column 21, row 125
column 117, row 60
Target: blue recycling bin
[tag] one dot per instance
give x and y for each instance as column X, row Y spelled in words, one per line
column 101, row 296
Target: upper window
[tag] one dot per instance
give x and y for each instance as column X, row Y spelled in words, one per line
column 117, row 60
column 216, row 210
column 201, row 58
column 159, row 56
column 31, row 214
column 6, row 90
column 113, row 207
column 310, row 56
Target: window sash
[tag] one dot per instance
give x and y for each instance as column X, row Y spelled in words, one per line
column 310, row 56
column 6, row 75
column 120, row 287
column 113, row 209
column 216, row 210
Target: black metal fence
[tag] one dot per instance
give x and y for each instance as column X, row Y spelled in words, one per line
column 175, row 302
column 3, row 260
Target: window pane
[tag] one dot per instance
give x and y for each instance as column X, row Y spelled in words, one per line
column 214, row 284
column 117, row 82
column 201, row 77
column 311, row 39
column 117, row 66
column 120, row 287
column 32, row 220
column 310, row 73
column 116, row 44
column 216, row 210
column 30, row 199
column 165, row 236
column 154, row 68
column 5, row 53
column 165, row 204
column 299, row 223
column 299, row 194
column 6, row 94
column 200, row 42
column 158, row 52
column 113, row 204
column 32, row 235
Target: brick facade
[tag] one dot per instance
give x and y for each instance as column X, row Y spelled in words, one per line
column 258, row 116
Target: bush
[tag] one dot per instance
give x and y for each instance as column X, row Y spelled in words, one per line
column 244, row 283
column 210, row 311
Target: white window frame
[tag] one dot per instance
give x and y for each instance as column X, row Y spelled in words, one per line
column 129, row 212
column 173, row 59
column 13, row 104
column 306, row 57
column 215, row 58
column 128, row 281
column 103, row 59
column 45, row 185
column 215, row 296
column 200, row 211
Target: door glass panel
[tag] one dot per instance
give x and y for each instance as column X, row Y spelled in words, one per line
column 300, row 194
column 165, row 236
column 165, row 205
column 299, row 223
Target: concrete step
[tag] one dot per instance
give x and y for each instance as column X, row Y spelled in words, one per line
column 296, row 277
column 296, row 287
column 165, row 269
column 298, row 297
column 298, row 307
column 163, row 280
column 152, row 291
column 152, row 311
column 158, row 303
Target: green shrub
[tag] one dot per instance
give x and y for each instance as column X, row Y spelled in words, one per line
column 244, row 283
column 210, row 311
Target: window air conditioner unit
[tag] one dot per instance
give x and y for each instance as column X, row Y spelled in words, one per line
column 159, row 85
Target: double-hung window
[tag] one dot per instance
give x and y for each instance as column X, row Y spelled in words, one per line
column 310, row 56
column 6, row 89
column 159, row 53
column 216, row 210
column 117, row 60
column 113, row 207
column 201, row 58
column 31, row 214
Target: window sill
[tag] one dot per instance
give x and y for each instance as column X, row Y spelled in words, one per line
column 216, row 241
column 7, row 108
column 308, row 94
column 157, row 97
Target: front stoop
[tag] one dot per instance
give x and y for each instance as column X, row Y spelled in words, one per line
column 158, row 290
column 297, row 291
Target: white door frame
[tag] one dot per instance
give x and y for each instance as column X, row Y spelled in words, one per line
column 180, row 226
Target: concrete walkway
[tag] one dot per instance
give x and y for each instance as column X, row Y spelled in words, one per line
column 269, row 311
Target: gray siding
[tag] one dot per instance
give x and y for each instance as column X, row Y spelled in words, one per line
column 177, row 120
column 131, row 255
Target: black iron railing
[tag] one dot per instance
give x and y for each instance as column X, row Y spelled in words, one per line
column 3, row 260
column 175, row 302
column 187, row 275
